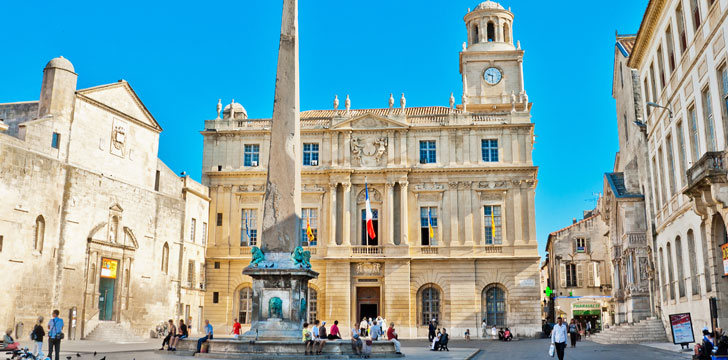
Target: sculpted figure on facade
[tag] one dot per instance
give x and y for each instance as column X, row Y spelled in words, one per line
column 356, row 148
column 336, row 104
column 219, row 108
column 347, row 104
column 381, row 144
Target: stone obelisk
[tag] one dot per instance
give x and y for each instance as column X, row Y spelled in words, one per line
column 282, row 206
column 281, row 269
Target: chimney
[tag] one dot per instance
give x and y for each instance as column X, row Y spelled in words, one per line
column 573, row 221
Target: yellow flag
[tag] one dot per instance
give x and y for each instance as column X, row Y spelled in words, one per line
column 309, row 232
column 429, row 224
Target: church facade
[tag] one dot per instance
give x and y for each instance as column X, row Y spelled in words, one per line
column 451, row 188
column 92, row 223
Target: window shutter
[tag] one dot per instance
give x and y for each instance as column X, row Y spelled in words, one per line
column 588, row 246
column 590, row 274
column 597, row 274
column 562, row 276
column 573, row 245
column 580, row 275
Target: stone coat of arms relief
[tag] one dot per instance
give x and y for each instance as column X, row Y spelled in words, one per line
column 119, row 132
column 368, row 150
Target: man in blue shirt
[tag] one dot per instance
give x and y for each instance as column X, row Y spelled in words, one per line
column 208, row 335
column 55, row 333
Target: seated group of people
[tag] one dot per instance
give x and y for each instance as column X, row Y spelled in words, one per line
column 317, row 336
column 505, row 335
column 439, row 342
column 364, row 347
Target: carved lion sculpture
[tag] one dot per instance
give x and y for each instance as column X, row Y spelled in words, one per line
column 258, row 256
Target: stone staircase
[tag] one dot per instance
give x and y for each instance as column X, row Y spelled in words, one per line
column 648, row 330
column 112, row 332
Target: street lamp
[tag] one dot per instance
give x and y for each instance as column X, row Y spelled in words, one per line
column 653, row 104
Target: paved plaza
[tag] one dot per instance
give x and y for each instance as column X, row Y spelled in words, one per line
column 530, row 349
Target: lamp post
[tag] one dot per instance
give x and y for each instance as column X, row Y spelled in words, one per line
column 656, row 105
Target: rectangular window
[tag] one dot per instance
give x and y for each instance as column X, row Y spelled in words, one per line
column 219, row 219
column 661, row 169
column 597, row 274
column 661, row 67
column 492, row 224
column 204, row 233
column 310, row 154
column 202, row 276
column 682, row 37
column 215, row 297
column 580, row 245
column 489, row 150
column 696, row 14
column 652, row 83
column 670, row 40
column 647, row 98
column 1, row 243
column 428, row 215
column 248, row 227
column 670, row 164
column 428, row 152
column 309, row 216
column 217, row 264
column 723, row 81
column 193, row 226
column 251, row 155
column 682, row 150
column 55, row 141
column 156, row 181
column 708, row 116
column 655, row 189
column 694, row 137
column 365, row 239
column 571, row 275
column 190, row 273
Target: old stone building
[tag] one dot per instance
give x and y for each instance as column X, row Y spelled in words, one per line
column 578, row 272
column 464, row 170
column 92, row 223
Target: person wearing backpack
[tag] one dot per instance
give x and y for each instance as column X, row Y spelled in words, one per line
column 55, row 334
column 706, row 348
column 37, row 336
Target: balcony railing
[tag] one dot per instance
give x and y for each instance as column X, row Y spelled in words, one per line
column 633, row 240
column 366, row 250
column 429, row 250
column 493, row 249
column 712, row 164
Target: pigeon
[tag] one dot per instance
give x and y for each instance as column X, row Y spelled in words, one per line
column 94, row 353
column 103, row 358
column 78, row 355
column 68, row 358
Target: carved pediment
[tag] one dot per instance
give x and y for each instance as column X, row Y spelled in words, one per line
column 374, row 196
column 369, row 121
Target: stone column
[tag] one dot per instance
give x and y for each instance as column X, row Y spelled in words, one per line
column 390, row 145
column 346, row 236
column 404, row 223
column 466, row 147
column 454, row 226
column 403, row 148
column 347, row 150
column 468, row 210
column 335, row 149
column 389, row 190
column 474, row 146
column 332, row 213
column 452, row 146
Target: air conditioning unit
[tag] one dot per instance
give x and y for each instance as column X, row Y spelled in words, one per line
column 314, row 162
column 254, row 163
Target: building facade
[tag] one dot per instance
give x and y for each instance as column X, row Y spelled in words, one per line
column 679, row 66
column 623, row 207
column 464, row 171
column 578, row 269
column 92, row 223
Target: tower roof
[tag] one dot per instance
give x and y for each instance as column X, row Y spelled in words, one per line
column 60, row 63
column 489, row 5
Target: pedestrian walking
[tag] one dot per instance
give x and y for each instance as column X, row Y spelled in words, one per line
column 55, row 334
column 236, row 329
column 588, row 328
column 484, row 328
column 558, row 337
column 375, row 331
column 467, row 334
column 431, row 330
column 208, row 335
column 363, row 325
column 573, row 332
column 37, row 335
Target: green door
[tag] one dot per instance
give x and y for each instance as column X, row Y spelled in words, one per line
column 106, row 298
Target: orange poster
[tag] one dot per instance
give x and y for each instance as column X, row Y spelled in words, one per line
column 108, row 268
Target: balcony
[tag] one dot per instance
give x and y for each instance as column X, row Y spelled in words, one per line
column 707, row 181
column 429, row 250
column 367, row 251
column 634, row 240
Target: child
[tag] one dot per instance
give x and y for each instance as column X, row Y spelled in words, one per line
column 307, row 339
column 467, row 334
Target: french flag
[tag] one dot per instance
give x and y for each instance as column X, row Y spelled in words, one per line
column 370, row 216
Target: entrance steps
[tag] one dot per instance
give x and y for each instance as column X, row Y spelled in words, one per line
column 648, row 330
column 112, row 331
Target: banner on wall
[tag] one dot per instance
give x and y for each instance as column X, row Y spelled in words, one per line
column 682, row 328
column 724, row 250
column 108, row 268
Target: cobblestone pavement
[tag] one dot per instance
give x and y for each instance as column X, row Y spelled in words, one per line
column 414, row 349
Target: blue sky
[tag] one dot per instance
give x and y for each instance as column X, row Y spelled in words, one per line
column 181, row 58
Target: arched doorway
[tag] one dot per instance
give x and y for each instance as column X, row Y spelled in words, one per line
column 719, row 237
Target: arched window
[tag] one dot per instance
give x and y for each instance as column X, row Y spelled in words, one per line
column 662, row 275
column 494, row 304
column 506, row 33
column 694, row 280
column 312, row 305
column 670, row 272
column 39, row 233
column 245, row 305
column 491, row 31
column 165, row 258
column 680, row 272
column 430, row 302
column 476, row 34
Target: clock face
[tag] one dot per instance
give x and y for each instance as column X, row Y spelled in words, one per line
column 492, row 75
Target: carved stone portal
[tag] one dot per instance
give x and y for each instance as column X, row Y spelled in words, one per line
column 369, row 150
column 369, row 269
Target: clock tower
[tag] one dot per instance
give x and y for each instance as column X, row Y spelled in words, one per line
column 490, row 64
